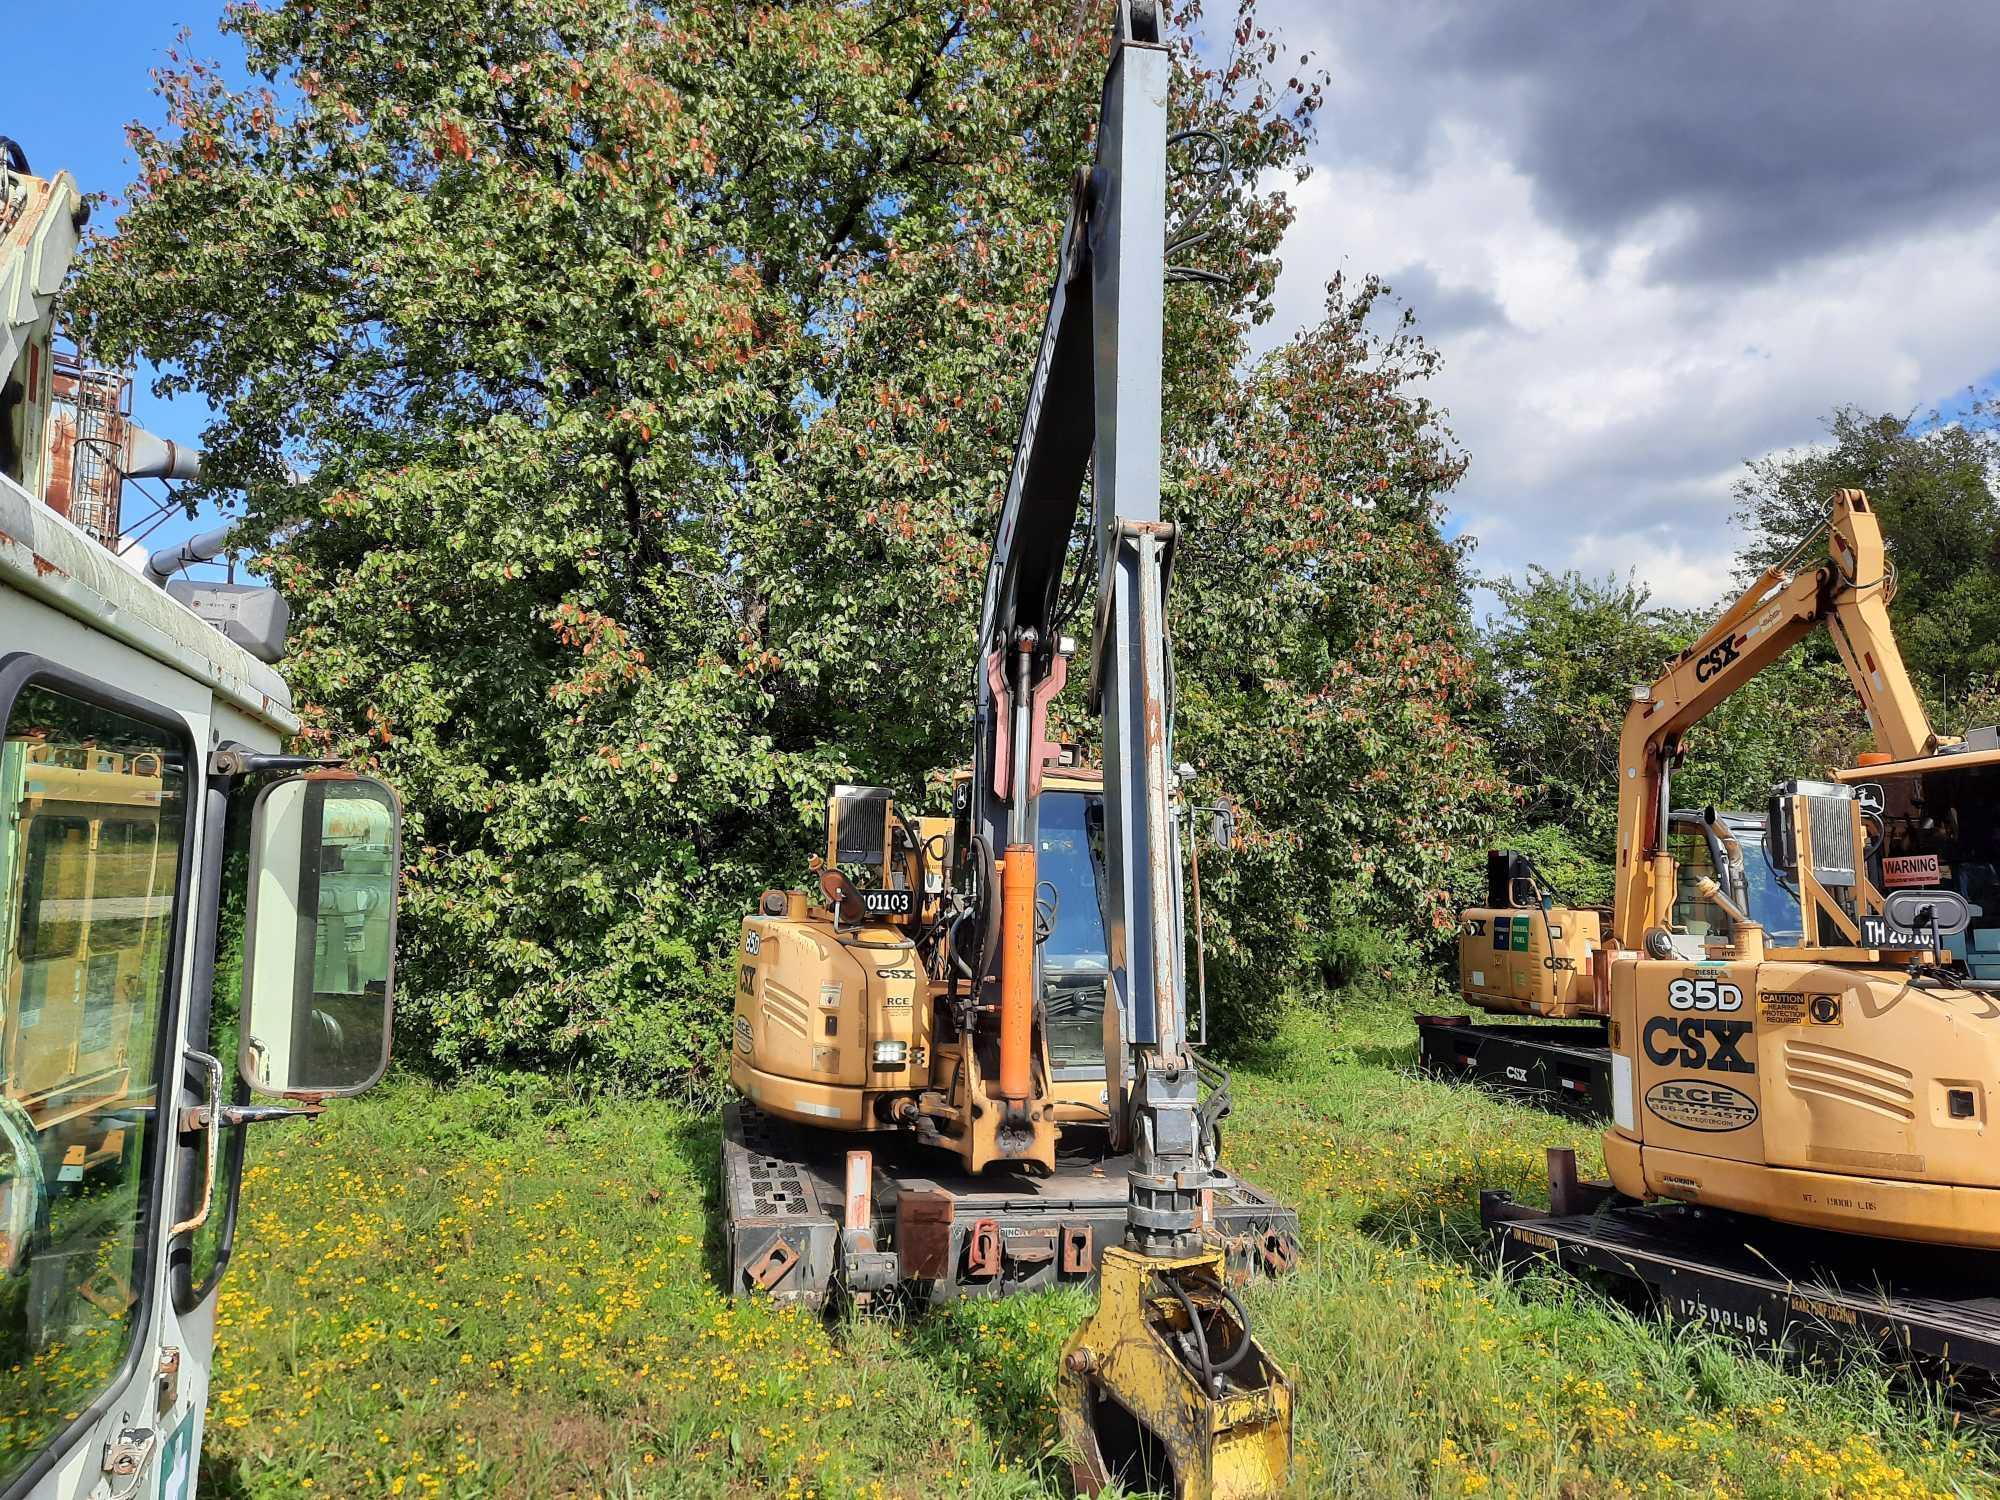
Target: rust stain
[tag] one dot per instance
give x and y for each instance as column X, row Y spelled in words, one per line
column 43, row 567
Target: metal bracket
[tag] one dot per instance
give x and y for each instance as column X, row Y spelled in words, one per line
column 770, row 1268
column 923, row 1233
column 168, row 1390
column 1167, row 533
column 1077, row 1245
column 233, row 760
column 982, row 1248
column 196, row 1118
column 126, row 1457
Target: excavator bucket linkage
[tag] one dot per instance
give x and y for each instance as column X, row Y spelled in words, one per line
column 1165, row 1385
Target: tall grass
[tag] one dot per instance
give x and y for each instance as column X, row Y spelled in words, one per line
column 504, row 1290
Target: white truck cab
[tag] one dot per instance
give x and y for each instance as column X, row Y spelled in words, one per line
column 147, row 815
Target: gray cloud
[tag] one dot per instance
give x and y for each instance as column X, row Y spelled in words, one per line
column 1654, row 241
column 1771, row 131
column 1443, row 309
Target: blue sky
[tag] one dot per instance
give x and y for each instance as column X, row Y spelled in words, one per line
column 77, row 72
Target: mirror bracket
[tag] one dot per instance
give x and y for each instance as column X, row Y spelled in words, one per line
column 234, row 760
column 195, row 1118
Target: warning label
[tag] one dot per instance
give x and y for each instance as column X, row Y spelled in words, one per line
column 1781, row 1008
column 1910, row 869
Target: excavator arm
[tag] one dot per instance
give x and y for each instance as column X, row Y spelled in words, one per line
column 1167, row 1364
column 1848, row 591
column 1094, row 409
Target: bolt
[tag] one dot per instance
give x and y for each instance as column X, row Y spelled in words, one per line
column 1081, row 1361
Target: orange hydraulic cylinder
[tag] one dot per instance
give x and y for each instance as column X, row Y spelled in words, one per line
column 1017, row 971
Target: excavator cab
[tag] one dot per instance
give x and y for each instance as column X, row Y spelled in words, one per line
column 1773, row 903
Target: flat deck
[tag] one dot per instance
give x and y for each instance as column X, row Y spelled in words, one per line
column 1561, row 1066
column 1774, row 1284
column 1001, row 1232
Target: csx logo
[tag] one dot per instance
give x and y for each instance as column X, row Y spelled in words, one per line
column 1716, row 659
column 1696, row 1042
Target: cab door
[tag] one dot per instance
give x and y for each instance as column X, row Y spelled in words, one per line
column 98, row 786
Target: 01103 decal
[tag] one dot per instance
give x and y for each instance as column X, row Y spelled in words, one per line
column 1695, row 1104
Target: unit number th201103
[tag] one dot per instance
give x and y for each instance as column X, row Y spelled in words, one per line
column 1704, row 994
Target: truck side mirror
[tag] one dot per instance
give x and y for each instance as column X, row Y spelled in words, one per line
column 319, row 939
column 1222, row 828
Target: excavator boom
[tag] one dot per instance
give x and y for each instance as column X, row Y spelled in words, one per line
column 1849, row 593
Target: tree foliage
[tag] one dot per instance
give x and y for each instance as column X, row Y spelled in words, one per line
column 1933, row 485
column 1328, row 676
column 653, row 375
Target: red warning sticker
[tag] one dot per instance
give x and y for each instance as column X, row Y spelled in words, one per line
column 1910, row 869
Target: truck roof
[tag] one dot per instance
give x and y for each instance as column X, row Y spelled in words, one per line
column 43, row 556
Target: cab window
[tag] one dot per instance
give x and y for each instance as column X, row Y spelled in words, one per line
column 1693, row 914
column 92, row 806
column 1074, row 965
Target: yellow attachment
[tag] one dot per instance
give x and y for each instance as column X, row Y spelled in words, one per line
column 1133, row 1405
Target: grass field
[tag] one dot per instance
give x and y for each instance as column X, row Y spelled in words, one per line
column 483, row 1292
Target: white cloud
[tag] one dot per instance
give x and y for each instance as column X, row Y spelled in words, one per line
column 1610, row 407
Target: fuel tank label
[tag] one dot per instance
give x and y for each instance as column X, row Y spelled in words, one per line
column 1699, row 1105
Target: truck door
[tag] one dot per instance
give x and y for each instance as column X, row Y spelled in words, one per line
column 96, row 853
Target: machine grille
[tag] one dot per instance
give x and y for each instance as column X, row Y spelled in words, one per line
column 783, row 1008
column 1851, row 1078
column 1832, row 823
column 861, row 824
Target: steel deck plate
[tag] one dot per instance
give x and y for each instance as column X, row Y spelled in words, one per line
column 1775, row 1284
column 782, row 1181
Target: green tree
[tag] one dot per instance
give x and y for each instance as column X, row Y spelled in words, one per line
column 656, row 373
column 1932, row 484
column 1564, row 653
column 1325, row 632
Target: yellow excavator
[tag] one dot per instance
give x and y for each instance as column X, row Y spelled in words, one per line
column 1769, row 1087
column 965, row 1054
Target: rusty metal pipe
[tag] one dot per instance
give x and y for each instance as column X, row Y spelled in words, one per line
column 1017, row 971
